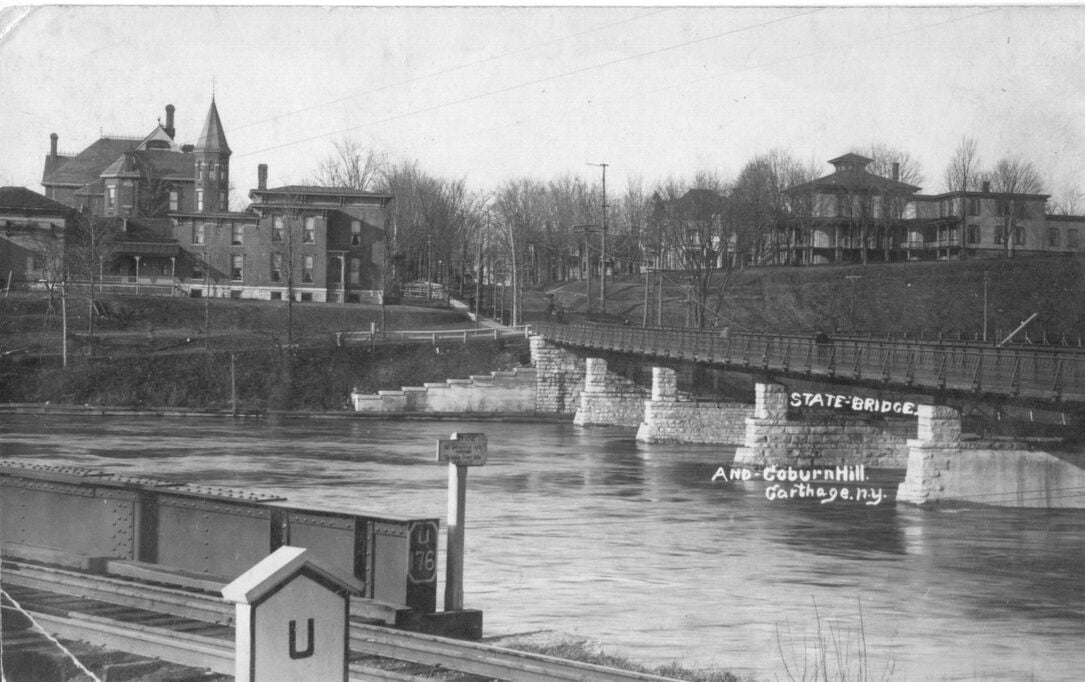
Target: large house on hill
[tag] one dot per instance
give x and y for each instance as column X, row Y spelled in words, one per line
column 165, row 207
column 854, row 216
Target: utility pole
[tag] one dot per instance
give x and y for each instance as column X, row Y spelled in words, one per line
column 986, row 278
column 851, row 315
column 603, row 247
column 587, row 230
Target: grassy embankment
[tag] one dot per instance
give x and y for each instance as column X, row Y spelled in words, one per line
column 902, row 298
column 151, row 350
column 151, row 353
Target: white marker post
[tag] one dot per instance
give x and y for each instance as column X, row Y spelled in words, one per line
column 291, row 619
column 462, row 451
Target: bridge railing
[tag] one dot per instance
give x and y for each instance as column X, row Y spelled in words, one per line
column 1050, row 373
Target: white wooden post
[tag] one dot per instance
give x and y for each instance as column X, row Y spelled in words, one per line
column 462, row 451
column 291, row 619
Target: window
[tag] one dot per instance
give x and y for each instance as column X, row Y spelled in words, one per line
column 197, row 233
column 356, row 233
column 223, row 169
column 237, row 234
column 306, row 298
column 276, row 267
column 175, row 200
column 276, row 296
column 1053, row 236
column 111, row 197
column 843, row 206
column 199, row 170
column 973, row 206
column 307, row 269
column 973, row 234
column 277, row 229
column 309, row 235
column 222, row 201
column 1071, row 238
column 210, row 170
column 1019, row 236
column 1002, row 206
column 1000, row 235
column 197, row 271
column 199, row 200
column 236, row 267
column 355, row 270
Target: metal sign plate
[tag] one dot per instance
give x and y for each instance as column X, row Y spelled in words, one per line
column 463, row 449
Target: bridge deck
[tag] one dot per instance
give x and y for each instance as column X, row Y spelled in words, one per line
column 1049, row 374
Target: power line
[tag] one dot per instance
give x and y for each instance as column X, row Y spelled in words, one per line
column 804, row 55
column 452, row 69
column 536, row 81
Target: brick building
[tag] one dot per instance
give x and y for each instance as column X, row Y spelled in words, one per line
column 167, row 208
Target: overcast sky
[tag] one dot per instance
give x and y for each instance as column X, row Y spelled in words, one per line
column 489, row 93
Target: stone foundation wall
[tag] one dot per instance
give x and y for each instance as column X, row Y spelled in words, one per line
column 771, row 438
column 560, row 377
column 505, row 392
column 609, row 399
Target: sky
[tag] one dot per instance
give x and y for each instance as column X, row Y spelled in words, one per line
column 489, row 94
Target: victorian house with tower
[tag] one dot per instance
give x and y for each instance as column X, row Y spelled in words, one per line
column 165, row 208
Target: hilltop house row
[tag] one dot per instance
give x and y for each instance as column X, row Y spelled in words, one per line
column 164, row 209
column 854, row 216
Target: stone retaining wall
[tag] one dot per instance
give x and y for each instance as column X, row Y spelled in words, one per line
column 505, row 392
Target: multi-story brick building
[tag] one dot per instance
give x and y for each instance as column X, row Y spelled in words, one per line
column 169, row 211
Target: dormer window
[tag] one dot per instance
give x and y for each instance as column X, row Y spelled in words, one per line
column 199, row 170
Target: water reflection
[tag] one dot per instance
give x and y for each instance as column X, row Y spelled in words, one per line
column 588, row 531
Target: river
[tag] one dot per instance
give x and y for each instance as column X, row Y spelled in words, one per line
column 586, row 531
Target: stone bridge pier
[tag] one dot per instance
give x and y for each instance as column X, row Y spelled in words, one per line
column 775, row 437
column 948, row 467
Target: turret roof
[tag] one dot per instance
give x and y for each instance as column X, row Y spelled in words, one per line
column 212, row 137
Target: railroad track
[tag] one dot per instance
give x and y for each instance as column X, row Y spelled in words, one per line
column 194, row 628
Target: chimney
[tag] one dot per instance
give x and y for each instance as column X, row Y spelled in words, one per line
column 169, row 121
column 896, row 172
column 986, row 186
column 53, row 146
column 261, row 176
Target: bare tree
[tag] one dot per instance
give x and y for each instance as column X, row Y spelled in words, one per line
column 963, row 172
column 700, row 235
column 351, row 165
column 889, row 198
column 90, row 244
column 1014, row 177
column 1070, row 201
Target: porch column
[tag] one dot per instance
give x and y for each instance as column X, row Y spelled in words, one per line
column 173, row 274
column 137, row 274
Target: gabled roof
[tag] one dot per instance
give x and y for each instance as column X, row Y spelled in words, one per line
column 212, row 138
column 25, row 200
column 87, row 165
column 168, row 164
column 158, row 139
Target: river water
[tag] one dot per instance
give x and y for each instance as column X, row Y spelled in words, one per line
column 586, row 531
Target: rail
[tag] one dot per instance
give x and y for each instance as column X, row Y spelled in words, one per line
column 70, row 603
column 462, row 335
column 1047, row 374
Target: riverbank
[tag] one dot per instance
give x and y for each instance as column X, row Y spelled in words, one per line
column 49, row 409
